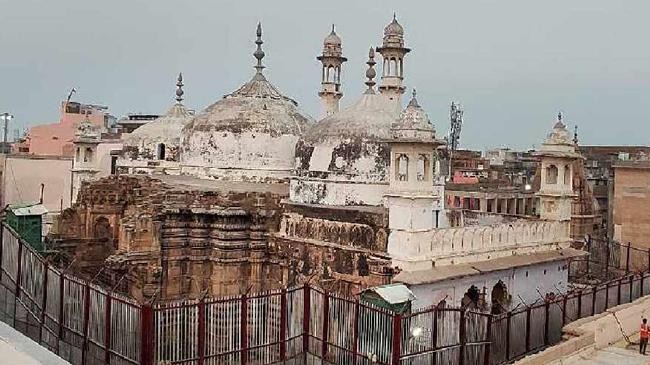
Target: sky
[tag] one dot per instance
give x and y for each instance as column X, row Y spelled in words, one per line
column 512, row 64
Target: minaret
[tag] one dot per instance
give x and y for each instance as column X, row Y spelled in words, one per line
column 557, row 156
column 332, row 59
column 84, row 165
column 393, row 51
column 412, row 198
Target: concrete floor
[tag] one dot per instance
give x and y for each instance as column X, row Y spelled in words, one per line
column 621, row 353
column 15, row 348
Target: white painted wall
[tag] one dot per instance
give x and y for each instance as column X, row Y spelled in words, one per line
column 524, row 284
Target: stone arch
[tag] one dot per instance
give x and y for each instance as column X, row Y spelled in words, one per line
column 457, row 243
column 381, row 239
column 356, row 236
column 511, row 235
column 486, row 236
column 368, row 237
column 468, row 237
column 333, row 233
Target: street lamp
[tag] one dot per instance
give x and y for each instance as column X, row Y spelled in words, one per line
column 6, row 117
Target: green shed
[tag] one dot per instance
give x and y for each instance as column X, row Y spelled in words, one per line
column 27, row 221
column 396, row 298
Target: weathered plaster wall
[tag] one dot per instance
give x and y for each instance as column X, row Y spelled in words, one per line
column 247, row 156
column 526, row 285
column 23, row 176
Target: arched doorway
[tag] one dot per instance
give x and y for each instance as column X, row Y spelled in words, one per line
column 471, row 298
column 500, row 298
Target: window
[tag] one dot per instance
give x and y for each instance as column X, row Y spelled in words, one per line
column 551, row 174
column 88, row 155
column 567, row 175
column 423, row 168
column 77, row 154
column 402, row 167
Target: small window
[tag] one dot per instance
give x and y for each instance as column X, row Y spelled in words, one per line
column 402, row 167
column 567, row 175
column 423, row 168
column 88, row 155
column 551, row 174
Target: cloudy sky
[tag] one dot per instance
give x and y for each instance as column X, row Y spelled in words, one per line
column 512, row 63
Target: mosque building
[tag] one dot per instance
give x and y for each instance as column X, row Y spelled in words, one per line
column 253, row 194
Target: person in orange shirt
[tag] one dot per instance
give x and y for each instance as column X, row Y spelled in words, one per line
column 644, row 333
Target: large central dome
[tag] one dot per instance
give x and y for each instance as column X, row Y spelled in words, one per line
column 250, row 134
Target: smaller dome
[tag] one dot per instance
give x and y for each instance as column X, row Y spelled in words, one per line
column 413, row 124
column 165, row 129
column 394, row 28
column 332, row 39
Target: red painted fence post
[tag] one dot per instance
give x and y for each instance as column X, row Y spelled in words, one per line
column 86, row 317
column 627, row 259
column 283, row 325
column 397, row 339
column 305, row 319
column 19, row 273
column 46, row 268
column 107, row 329
column 528, row 310
column 146, row 335
column 355, row 333
column 244, row 330
column 201, row 329
column 326, row 323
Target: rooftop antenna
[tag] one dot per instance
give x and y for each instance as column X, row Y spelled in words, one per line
column 456, row 119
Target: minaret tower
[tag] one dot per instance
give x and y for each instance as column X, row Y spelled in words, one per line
column 84, row 166
column 332, row 59
column 412, row 198
column 393, row 51
column 557, row 156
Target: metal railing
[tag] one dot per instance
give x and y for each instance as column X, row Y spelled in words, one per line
column 85, row 324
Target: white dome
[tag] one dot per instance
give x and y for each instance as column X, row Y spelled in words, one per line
column 348, row 149
column 166, row 129
column 248, row 135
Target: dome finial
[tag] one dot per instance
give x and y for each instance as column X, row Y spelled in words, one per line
column 179, row 88
column 333, row 28
column 371, row 73
column 259, row 54
column 414, row 101
column 394, row 16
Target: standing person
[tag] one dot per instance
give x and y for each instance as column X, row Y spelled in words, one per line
column 644, row 333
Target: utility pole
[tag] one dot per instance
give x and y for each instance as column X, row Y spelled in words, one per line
column 6, row 117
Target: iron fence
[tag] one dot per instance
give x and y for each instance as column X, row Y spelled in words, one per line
column 85, row 324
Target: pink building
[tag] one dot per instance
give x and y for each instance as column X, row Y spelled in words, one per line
column 56, row 139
